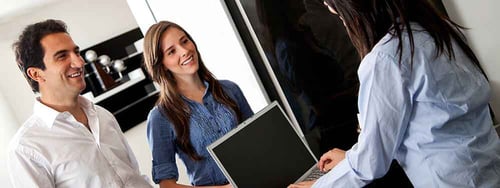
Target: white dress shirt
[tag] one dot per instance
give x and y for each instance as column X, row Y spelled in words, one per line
column 52, row 149
column 432, row 117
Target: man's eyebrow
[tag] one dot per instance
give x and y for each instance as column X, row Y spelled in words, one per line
column 76, row 49
column 60, row 52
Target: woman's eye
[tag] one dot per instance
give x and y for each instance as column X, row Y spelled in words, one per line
column 170, row 52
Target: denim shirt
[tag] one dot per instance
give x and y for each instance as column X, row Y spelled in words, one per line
column 208, row 122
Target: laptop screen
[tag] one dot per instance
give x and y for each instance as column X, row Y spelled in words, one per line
column 264, row 151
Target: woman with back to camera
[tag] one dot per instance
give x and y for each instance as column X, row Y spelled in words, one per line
column 423, row 100
column 193, row 110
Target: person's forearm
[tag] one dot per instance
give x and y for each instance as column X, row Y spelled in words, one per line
column 174, row 184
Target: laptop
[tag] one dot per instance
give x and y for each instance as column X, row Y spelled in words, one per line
column 264, row 151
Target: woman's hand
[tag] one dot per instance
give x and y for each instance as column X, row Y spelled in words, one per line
column 330, row 159
column 304, row 184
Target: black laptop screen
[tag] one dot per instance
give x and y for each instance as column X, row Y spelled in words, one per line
column 266, row 152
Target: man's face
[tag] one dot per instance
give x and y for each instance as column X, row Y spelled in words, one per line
column 64, row 65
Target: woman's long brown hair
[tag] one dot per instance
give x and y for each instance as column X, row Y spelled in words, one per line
column 170, row 101
column 367, row 21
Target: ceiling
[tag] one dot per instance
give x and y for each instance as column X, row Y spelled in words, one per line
column 10, row 9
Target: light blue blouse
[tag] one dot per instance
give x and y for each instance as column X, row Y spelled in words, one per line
column 209, row 121
column 432, row 117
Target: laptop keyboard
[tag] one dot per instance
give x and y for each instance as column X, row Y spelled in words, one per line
column 315, row 174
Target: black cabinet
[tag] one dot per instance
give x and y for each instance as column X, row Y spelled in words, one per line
column 129, row 95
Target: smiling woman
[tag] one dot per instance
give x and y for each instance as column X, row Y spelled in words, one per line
column 193, row 110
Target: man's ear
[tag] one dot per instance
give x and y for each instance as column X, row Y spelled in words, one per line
column 35, row 74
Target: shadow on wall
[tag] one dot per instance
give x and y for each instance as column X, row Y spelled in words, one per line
column 451, row 9
column 495, row 101
column 453, row 12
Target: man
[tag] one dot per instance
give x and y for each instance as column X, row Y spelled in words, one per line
column 68, row 141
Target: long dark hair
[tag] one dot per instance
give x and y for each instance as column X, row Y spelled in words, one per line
column 367, row 21
column 170, row 101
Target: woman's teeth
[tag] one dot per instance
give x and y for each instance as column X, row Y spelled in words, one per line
column 187, row 61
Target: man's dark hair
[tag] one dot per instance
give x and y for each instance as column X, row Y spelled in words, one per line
column 28, row 49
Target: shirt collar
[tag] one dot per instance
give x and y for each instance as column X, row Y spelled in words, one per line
column 206, row 88
column 414, row 26
column 48, row 115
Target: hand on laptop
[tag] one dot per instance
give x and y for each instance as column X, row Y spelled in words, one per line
column 304, row 184
column 330, row 159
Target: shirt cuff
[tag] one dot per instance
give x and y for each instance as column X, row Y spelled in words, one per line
column 165, row 171
column 340, row 176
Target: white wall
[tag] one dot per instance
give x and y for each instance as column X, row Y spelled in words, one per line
column 89, row 22
column 7, row 129
column 481, row 16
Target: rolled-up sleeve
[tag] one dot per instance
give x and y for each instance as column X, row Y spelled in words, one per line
column 385, row 107
column 161, row 141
